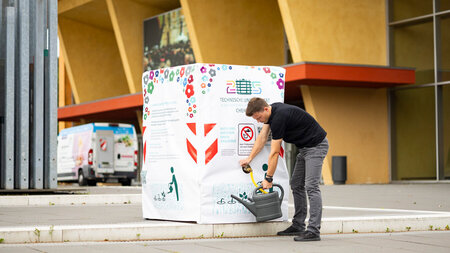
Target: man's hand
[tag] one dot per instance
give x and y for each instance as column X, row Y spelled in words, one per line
column 266, row 185
column 245, row 162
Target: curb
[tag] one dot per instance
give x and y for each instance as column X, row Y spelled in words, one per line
column 388, row 224
column 141, row 231
column 170, row 231
column 67, row 200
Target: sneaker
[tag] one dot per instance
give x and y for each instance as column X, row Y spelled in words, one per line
column 291, row 231
column 307, row 236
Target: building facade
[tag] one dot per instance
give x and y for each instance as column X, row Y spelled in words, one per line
column 341, row 56
column 419, row 37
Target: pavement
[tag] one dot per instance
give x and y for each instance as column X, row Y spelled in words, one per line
column 114, row 213
column 424, row 241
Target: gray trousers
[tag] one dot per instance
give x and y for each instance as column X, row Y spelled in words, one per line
column 306, row 175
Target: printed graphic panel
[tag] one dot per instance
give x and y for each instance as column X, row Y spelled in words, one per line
column 195, row 122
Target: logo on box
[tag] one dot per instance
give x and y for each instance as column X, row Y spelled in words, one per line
column 243, row 87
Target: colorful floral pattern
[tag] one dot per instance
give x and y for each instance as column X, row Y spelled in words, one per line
column 184, row 76
column 189, row 90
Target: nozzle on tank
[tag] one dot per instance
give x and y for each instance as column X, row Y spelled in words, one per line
column 247, row 169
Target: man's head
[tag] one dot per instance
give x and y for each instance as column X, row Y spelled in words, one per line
column 258, row 109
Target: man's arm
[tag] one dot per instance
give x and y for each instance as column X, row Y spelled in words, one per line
column 273, row 161
column 259, row 144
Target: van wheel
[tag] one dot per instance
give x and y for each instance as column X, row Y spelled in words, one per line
column 125, row 181
column 81, row 179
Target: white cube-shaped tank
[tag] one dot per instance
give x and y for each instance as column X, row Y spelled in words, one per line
column 195, row 131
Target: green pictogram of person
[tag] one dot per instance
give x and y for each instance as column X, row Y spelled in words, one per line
column 265, row 167
column 173, row 184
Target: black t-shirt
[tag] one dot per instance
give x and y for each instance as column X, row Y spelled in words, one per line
column 294, row 125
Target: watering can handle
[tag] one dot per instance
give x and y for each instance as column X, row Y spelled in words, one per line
column 277, row 185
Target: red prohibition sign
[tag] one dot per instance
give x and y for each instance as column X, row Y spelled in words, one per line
column 247, row 133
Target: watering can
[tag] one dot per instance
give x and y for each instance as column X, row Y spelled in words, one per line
column 264, row 206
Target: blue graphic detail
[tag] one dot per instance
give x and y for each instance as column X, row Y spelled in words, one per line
column 94, row 128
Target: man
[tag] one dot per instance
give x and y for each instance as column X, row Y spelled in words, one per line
column 293, row 125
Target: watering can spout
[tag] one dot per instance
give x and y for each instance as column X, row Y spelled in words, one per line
column 249, row 205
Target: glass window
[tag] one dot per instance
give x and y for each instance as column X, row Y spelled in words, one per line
column 405, row 9
column 444, row 56
column 446, row 129
column 413, row 47
column 443, row 5
column 414, row 141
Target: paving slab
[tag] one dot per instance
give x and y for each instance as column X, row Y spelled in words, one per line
column 115, row 213
column 430, row 241
column 125, row 222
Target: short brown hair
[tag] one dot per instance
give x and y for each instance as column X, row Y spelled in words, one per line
column 255, row 105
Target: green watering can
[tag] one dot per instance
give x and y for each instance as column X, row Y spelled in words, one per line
column 264, row 206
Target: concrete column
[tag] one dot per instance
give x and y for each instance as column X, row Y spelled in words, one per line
column 51, row 98
column 38, row 37
column 7, row 156
column 22, row 93
column 235, row 31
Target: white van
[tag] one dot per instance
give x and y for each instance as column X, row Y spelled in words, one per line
column 96, row 152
